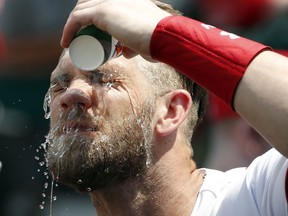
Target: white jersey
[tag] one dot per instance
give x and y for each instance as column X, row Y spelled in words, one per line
column 259, row 189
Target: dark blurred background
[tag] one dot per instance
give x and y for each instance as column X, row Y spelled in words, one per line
column 30, row 32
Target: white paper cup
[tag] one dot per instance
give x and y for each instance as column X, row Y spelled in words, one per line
column 92, row 47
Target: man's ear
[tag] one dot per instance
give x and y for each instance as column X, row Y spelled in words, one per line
column 172, row 111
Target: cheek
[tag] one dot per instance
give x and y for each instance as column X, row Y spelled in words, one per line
column 115, row 109
column 121, row 101
column 130, row 100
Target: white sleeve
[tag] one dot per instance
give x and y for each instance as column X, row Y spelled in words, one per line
column 267, row 179
column 259, row 190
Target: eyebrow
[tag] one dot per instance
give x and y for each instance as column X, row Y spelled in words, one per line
column 60, row 76
column 108, row 70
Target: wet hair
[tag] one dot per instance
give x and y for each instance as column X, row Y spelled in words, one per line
column 167, row 7
column 165, row 78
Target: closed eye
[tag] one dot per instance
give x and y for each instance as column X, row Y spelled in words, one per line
column 60, row 83
column 103, row 78
column 57, row 87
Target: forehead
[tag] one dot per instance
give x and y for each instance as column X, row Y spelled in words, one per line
column 125, row 67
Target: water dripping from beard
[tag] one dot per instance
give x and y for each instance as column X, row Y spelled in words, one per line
column 112, row 157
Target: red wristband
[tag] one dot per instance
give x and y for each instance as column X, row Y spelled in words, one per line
column 213, row 58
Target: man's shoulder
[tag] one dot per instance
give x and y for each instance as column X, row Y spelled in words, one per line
column 243, row 190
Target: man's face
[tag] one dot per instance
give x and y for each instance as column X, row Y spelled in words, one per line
column 100, row 131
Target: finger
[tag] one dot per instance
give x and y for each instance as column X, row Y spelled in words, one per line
column 82, row 15
column 68, row 34
column 77, row 19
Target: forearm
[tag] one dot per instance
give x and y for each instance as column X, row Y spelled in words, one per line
column 261, row 98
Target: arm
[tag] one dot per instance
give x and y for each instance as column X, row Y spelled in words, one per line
column 260, row 98
column 256, row 99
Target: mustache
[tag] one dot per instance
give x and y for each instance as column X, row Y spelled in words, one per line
column 76, row 119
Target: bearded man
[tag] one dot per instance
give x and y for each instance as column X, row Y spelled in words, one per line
column 123, row 131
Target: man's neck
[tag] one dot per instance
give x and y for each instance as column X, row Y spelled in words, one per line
column 163, row 190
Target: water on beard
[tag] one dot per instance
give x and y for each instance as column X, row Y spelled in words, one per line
column 47, row 115
column 141, row 124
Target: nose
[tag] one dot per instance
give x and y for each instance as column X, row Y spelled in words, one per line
column 74, row 97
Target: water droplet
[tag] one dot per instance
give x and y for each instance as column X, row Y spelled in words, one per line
column 109, row 85
column 44, row 145
column 38, row 170
column 37, row 158
column 148, row 163
column 43, row 195
column 54, row 198
column 42, row 163
column 88, row 189
column 46, row 185
column 41, row 206
column 106, row 170
column 46, row 104
column 79, row 181
column 33, row 177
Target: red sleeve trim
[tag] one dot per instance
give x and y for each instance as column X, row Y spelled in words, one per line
column 282, row 52
column 213, row 58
